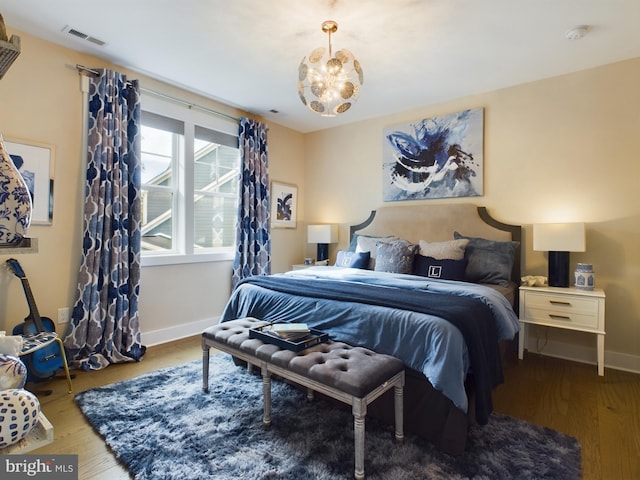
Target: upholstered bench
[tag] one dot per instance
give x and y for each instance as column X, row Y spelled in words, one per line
column 353, row 375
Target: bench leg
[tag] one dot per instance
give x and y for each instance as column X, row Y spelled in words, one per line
column 398, row 406
column 205, row 367
column 266, row 389
column 359, row 409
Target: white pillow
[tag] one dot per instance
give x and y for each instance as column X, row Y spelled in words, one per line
column 448, row 250
column 370, row 244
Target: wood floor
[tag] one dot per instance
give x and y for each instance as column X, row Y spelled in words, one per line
column 603, row 413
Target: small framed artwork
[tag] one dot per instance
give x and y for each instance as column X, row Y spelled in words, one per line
column 284, row 199
column 35, row 162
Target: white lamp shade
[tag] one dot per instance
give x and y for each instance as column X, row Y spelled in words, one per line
column 322, row 233
column 559, row 237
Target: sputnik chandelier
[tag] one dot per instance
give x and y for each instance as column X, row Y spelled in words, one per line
column 329, row 84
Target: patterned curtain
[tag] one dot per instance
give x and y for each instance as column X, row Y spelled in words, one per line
column 253, row 236
column 104, row 326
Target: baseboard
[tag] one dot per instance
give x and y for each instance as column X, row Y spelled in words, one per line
column 156, row 337
column 576, row 353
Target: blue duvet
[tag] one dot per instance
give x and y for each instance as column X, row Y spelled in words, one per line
column 424, row 342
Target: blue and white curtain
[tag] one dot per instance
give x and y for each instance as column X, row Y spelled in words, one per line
column 104, row 326
column 253, row 234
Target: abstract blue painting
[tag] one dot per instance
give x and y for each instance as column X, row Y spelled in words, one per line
column 437, row 157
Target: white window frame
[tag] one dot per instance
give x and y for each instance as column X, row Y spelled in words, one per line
column 183, row 224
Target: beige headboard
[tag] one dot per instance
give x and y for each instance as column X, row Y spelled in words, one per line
column 437, row 223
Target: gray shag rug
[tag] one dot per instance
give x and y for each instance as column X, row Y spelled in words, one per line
column 163, row 426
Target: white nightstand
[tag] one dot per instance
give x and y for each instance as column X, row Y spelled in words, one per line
column 300, row 266
column 569, row 308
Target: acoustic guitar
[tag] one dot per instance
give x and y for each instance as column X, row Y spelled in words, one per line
column 46, row 361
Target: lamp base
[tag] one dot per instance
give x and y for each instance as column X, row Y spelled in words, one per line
column 323, row 252
column 559, row 269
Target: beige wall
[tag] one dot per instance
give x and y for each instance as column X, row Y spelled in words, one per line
column 559, row 149
column 41, row 101
column 562, row 149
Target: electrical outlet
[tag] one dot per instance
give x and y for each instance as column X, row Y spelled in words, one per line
column 63, row 315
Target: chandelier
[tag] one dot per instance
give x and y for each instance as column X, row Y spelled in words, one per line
column 329, row 84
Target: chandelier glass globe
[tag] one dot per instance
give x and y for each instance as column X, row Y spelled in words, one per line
column 329, row 84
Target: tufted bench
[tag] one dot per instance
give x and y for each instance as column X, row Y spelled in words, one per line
column 353, row 375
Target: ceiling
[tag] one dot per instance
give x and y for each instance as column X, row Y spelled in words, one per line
column 245, row 53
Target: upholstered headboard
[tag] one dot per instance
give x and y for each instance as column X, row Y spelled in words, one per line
column 436, row 223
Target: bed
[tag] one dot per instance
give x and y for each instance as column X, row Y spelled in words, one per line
column 434, row 285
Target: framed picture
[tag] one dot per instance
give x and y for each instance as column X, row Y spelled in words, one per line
column 438, row 157
column 35, row 162
column 284, row 199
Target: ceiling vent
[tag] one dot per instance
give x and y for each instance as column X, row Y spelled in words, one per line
column 83, row 36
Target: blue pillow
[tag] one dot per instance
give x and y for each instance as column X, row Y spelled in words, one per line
column 444, row 269
column 489, row 261
column 353, row 259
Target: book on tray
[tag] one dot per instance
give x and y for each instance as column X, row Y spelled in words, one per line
column 290, row 331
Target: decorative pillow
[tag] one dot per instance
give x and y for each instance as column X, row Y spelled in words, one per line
column 395, row 257
column 367, row 243
column 353, row 259
column 489, row 261
column 445, row 269
column 450, row 249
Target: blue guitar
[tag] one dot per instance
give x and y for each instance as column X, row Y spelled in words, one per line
column 44, row 362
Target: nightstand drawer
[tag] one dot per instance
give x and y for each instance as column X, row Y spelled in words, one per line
column 563, row 304
column 560, row 317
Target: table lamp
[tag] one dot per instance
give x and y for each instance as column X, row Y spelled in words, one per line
column 323, row 235
column 559, row 239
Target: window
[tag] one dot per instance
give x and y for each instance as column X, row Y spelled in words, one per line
column 189, row 187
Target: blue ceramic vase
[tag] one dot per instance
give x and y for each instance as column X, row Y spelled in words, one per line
column 585, row 278
column 15, row 201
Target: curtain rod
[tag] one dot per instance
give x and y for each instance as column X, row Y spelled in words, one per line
column 168, row 97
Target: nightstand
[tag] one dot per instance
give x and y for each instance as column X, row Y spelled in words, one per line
column 568, row 308
column 300, row 266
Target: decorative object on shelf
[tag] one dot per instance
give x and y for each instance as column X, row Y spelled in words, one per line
column 9, row 49
column 559, row 239
column 584, row 276
column 328, row 84
column 283, row 205
column 533, row 281
column 19, row 409
column 323, row 235
column 15, row 201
